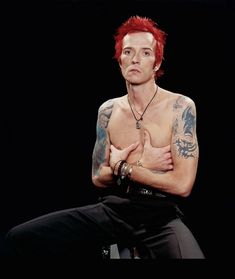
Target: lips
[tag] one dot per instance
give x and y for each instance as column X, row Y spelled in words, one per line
column 134, row 71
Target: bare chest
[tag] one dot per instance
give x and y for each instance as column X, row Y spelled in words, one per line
column 123, row 130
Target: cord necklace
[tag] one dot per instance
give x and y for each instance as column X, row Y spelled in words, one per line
column 138, row 124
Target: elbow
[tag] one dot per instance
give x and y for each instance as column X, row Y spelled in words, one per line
column 185, row 189
column 183, row 183
column 185, row 194
column 96, row 181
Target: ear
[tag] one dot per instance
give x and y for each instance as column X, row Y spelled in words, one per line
column 156, row 67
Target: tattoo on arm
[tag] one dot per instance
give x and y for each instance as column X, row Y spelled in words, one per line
column 99, row 152
column 185, row 148
column 184, row 130
column 189, row 121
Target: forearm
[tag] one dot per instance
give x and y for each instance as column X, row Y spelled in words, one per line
column 104, row 178
column 173, row 182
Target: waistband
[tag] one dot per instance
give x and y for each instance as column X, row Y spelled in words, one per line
column 145, row 190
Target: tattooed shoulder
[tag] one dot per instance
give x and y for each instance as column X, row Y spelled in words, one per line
column 105, row 112
column 181, row 101
column 184, row 127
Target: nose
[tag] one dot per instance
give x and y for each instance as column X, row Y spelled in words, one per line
column 135, row 59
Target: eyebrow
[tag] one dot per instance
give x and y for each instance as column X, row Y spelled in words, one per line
column 147, row 48
column 144, row 48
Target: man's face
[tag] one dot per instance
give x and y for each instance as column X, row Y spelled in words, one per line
column 138, row 57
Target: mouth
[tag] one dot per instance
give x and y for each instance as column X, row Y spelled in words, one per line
column 134, row 71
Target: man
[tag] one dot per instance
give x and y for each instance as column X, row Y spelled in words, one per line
column 146, row 154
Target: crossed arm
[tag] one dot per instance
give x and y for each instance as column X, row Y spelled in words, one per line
column 182, row 153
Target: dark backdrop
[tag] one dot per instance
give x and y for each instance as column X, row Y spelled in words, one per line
column 60, row 60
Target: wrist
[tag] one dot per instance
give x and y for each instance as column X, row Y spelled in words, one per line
column 115, row 168
column 139, row 163
column 122, row 170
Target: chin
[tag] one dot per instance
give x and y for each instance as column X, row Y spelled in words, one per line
column 134, row 81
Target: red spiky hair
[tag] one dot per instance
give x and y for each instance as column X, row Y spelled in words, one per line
column 141, row 24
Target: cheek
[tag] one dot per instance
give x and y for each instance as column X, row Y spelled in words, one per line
column 124, row 62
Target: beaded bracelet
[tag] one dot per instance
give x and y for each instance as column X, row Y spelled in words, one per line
column 126, row 170
column 120, row 167
column 115, row 166
column 119, row 180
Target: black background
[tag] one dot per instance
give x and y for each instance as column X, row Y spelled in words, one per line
column 60, row 68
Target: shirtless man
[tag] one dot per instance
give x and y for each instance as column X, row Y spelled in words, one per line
column 147, row 117
column 146, row 153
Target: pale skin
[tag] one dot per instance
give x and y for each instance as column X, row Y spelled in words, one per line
column 166, row 144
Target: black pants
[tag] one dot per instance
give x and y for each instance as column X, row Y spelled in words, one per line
column 154, row 225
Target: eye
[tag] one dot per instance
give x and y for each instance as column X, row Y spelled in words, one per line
column 147, row 53
column 126, row 51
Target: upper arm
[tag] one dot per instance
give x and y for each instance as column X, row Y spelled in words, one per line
column 184, row 142
column 100, row 156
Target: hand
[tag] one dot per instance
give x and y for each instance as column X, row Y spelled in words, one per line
column 155, row 158
column 117, row 154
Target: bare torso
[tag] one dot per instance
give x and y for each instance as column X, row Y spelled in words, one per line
column 158, row 120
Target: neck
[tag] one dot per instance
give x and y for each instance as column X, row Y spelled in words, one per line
column 142, row 113
column 140, row 95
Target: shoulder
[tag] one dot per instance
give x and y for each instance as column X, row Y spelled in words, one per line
column 183, row 102
column 109, row 104
column 105, row 111
column 177, row 100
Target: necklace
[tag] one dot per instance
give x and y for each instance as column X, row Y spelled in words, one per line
column 138, row 124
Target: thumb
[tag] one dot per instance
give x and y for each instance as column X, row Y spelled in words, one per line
column 147, row 139
column 167, row 148
column 111, row 147
column 132, row 146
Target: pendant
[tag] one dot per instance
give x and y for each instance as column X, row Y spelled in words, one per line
column 138, row 125
column 119, row 182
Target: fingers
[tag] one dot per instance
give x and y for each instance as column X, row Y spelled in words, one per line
column 166, row 148
column 147, row 139
column 167, row 155
column 127, row 149
column 132, row 146
column 170, row 167
column 111, row 147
